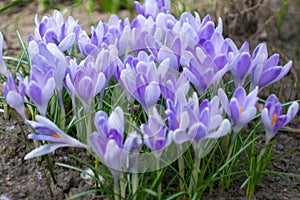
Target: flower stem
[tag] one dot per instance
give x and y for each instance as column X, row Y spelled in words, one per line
column 135, row 182
column 194, row 178
column 116, row 188
column 158, row 174
column 181, row 173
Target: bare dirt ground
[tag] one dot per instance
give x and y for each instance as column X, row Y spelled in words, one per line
column 21, row 179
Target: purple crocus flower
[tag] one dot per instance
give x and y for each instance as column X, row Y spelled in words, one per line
column 14, row 93
column 3, row 69
column 272, row 116
column 84, row 81
column 170, row 84
column 201, row 70
column 169, row 48
column 48, row 58
column 152, row 7
column 155, row 133
column 141, row 80
column 241, row 108
column 55, row 29
column 46, row 130
column 201, row 122
column 140, row 28
column 239, row 62
column 108, row 141
column 114, row 32
column 266, row 71
column 40, row 87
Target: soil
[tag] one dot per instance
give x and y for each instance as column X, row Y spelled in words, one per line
column 20, row 179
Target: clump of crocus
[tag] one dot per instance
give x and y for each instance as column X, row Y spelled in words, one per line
column 272, row 116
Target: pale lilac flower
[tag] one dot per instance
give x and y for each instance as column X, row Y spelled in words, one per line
column 141, row 81
column 272, row 116
column 175, row 111
column 201, row 70
column 115, row 32
column 140, row 28
column 169, row 48
column 239, row 62
column 107, row 142
column 241, row 108
column 14, row 93
column 84, row 81
column 55, row 29
column 201, row 122
column 47, row 57
column 266, row 71
column 40, row 87
column 170, row 84
column 3, row 69
column 152, row 7
column 155, row 133
column 46, row 130
column 217, row 47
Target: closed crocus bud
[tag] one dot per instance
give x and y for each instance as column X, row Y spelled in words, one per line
column 14, row 93
column 272, row 116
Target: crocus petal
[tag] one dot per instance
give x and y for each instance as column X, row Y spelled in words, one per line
column 152, row 94
column 224, row 101
column 235, row 110
column 223, row 129
column 114, row 156
column 292, row 111
column 265, row 119
column 116, row 120
column 179, row 136
column 247, row 115
column 67, row 42
column 197, row 131
column 3, row 69
column 43, row 150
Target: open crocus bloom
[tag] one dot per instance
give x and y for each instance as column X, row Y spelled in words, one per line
column 272, row 116
column 46, row 130
column 107, row 142
column 241, row 108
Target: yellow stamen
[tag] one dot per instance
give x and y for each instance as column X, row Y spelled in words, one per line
column 55, row 135
column 274, row 118
column 241, row 109
column 155, row 137
column 178, row 120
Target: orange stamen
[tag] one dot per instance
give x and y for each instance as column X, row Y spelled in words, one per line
column 155, row 137
column 241, row 109
column 55, row 135
column 178, row 120
column 274, row 118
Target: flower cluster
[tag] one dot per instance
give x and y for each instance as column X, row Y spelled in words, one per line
column 157, row 59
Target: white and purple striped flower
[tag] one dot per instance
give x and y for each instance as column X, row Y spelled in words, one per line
column 241, row 108
column 47, row 131
column 107, row 142
column 272, row 116
column 14, row 93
